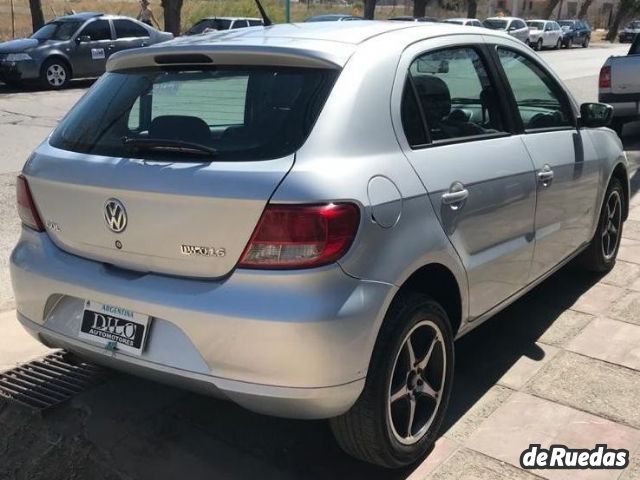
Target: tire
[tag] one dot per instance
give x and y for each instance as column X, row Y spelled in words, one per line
column 55, row 74
column 558, row 44
column 585, row 42
column 617, row 125
column 600, row 255
column 538, row 45
column 374, row 429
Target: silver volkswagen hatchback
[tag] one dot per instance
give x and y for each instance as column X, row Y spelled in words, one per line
column 302, row 218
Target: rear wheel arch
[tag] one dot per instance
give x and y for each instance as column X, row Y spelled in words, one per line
column 620, row 172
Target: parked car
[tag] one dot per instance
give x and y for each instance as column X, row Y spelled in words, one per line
column 408, row 18
column 619, row 86
column 333, row 17
column 470, row 22
column 575, row 32
column 74, row 46
column 516, row 27
column 544, row 33
column 211, row 24
column 313, row 257
column 628, row 34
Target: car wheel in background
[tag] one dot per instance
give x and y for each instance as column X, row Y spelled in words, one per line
column 617, row 125
column 539, row 45
column 600, row 255
column 585, row 42
column 55, row 73
column 396, row 419
column 558, row 44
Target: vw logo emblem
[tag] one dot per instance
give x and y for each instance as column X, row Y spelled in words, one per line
column 115, row 215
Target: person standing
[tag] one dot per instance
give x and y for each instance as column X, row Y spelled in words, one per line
column 146, row 15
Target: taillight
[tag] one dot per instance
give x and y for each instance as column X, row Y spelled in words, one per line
column 605, row 77
column 301, row 236
column 26, row 206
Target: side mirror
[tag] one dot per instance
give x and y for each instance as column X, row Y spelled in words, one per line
column 83, row 39
column 594, row 115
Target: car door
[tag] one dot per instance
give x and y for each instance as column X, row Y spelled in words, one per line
column 479, row 177
column 94, row 44
column 129, row 34
column 566, row 165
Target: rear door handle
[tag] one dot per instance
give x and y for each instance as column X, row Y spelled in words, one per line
column 455, row 196
column 545, row 175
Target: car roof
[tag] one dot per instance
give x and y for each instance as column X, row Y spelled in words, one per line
column 81, row 16
column 229, row 18
column 317, row 43
column 505, row 18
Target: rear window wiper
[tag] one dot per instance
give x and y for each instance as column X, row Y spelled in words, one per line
column 168, row 145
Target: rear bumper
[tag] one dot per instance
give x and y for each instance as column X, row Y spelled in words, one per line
column 624, row 105
column 294, row 344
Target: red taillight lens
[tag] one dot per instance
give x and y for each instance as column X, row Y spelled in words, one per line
column 605, row 77
column 301, row 236
column 26, row 206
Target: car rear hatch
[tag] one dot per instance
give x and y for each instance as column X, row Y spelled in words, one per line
column 624, row 74
column 168, row 170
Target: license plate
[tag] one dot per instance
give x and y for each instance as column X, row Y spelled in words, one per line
column 114, row 327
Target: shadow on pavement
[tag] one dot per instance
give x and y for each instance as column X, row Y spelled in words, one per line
column 35, row 87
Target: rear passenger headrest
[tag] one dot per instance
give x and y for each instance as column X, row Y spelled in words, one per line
column 180, row 127
column 434, row 97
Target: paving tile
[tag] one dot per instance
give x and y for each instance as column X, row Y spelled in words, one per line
column 526, row 367
column 629, row 250
column 565, row 327
column 16, row 345
column 525, row 419
column 481, row 409
column 634, row 213
column 631, row 229
column 597, row 300
column 466, row 464
column 623, row 274
column 627, row 308
column 622, row 345
column 635, row 285
column 594, row 386
column 632, row 472
column 441, row 452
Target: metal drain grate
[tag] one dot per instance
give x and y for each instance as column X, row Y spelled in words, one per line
column 49, row 381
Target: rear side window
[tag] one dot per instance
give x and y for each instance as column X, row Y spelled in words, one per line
column 255, row 23
column 540, row 100
column 243, row 113
column 97, row 30
column 454, row 95
column 128, row 29
column 239, row 24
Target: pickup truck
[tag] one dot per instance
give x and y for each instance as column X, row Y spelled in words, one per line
column 619, row 86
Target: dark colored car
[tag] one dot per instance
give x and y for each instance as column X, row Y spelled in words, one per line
column 408, row 18
column 210, row 24
column 333, row 17
column 75, row 46
column 629, row 33
column 575, row 32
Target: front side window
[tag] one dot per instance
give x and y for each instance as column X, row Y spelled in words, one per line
column 129, row 29
column 239, row 24
column 230, row 113
column 540, row 100
column 97, row 30
column 454, row 96
column 58, row 30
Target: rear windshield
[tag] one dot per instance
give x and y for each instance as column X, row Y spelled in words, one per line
column 566, row 23
column 241, row 113
column 495, row 24
column 536, row 25
column 209, row 24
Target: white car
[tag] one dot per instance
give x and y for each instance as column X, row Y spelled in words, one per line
column 544, row 33
column 516, row 27
column 469, row 22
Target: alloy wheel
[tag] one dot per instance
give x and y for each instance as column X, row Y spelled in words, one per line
column 611, row 223
column 56, row 75
column 417, row 382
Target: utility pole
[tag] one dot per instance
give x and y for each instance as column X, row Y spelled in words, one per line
column 13, row 21
column 287, row 11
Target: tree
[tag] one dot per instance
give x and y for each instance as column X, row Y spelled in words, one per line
column 472, row 8
column 172, row 15
column 549, row 8
column 584, row 9
column 626, row 8
column 369, row 9
column 419, row 8
column 37, row 17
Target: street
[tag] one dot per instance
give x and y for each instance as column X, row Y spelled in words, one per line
column 538, row 372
